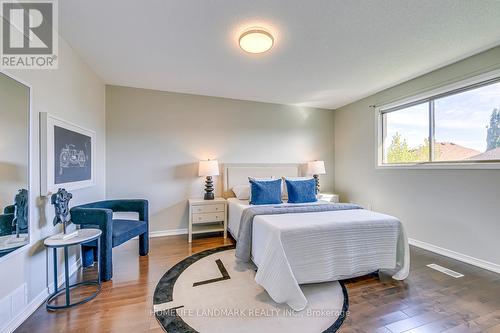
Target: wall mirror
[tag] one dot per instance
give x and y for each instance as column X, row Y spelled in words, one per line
column 14, row 164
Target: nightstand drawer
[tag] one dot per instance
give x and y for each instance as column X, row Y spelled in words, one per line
column 208, row 208
column 208, row 217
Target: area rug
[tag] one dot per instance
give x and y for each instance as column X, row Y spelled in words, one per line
column 211, row 292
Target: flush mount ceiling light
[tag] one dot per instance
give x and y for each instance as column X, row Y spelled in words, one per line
column 256, row 40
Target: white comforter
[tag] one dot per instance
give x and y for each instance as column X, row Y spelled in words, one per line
column 293, row 249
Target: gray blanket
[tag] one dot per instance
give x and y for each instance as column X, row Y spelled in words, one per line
column 244, row 241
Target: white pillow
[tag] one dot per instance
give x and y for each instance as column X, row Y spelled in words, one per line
column 298, row 178
column 242, row 192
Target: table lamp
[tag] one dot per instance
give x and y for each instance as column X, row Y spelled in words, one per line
column 316, row 168
column 208, row 169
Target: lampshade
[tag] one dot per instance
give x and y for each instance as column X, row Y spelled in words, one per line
column 208, row 168
column 316, row 168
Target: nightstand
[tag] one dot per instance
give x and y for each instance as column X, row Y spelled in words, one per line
column 329, row 197
column 207, row 216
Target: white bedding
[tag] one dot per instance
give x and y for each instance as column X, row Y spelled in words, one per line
column 236, row 208
column 293, row 249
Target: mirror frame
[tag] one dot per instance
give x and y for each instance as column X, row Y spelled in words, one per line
column 31, row 146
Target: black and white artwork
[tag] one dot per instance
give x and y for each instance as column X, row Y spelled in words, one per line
column 72, row 156
column 67, row 153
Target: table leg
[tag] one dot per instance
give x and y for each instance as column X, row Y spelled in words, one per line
column 66, row 274
column 55, row 271
column 99, row 260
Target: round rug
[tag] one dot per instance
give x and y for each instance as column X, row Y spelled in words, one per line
column 211, row 292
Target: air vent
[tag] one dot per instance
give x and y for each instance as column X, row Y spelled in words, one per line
column 445, row 270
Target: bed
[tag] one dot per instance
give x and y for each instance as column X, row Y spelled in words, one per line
column 313, row 247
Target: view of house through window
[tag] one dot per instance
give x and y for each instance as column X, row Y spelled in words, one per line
column 466, row 128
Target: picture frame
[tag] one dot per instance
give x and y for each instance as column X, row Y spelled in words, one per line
column 67, row 155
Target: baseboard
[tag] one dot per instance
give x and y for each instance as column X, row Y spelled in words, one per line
column 28, row 311
column 164, row 233
column 38, row 300
column 170, row 232
column 456, row 255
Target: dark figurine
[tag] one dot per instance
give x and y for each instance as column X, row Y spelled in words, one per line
column 20, row 221
column 60, row 200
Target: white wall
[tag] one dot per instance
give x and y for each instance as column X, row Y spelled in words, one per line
column 155, row 139
column 453, row 209
column 74, row 93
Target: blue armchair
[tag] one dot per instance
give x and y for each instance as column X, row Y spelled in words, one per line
column 6, row 224
column 114, row 231
column 9, row 209
column 7, row 227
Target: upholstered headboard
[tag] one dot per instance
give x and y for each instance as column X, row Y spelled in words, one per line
column 237, row 174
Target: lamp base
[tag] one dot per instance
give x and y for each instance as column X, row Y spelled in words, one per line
column 209, row 196
column 209, row 189
column 316, row 178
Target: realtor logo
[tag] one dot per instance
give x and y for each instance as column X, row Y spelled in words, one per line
column 29, row 39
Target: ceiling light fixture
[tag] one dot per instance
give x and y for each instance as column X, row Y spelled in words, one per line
column 256, row 40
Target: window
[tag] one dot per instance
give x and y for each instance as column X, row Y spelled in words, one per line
column 455, row 126
column 407, row 135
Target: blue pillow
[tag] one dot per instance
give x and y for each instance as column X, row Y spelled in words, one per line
column 265, row 192
column 300, row 191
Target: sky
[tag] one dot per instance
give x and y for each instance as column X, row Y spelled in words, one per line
column 461, row 119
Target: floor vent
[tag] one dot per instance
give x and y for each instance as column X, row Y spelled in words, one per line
column 445, row 270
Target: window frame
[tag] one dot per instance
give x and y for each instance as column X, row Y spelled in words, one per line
column 429, row 97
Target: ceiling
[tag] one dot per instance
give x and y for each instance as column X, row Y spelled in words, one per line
column 327, row 53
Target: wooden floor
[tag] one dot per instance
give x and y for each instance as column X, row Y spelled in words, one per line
column 428, row 301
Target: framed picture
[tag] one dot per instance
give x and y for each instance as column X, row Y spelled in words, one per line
column 67, row 155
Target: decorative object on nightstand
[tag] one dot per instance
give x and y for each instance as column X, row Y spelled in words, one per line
column 207, row 216
column 316, row 168
column 329, row 197
column 208, row 169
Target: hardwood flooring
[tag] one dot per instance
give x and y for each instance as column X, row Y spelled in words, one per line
column 428, row 301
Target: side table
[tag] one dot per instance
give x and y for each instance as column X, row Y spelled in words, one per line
column 55, row 242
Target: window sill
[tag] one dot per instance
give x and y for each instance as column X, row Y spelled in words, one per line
column 444, row 166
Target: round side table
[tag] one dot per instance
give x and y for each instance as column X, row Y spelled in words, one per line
column 55, row 242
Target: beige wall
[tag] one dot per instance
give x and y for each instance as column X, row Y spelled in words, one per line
column 154, row 140
column 74, row 93
column 454, row 209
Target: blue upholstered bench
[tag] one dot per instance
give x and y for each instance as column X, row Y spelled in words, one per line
column 6, row 224
column 114, row 231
